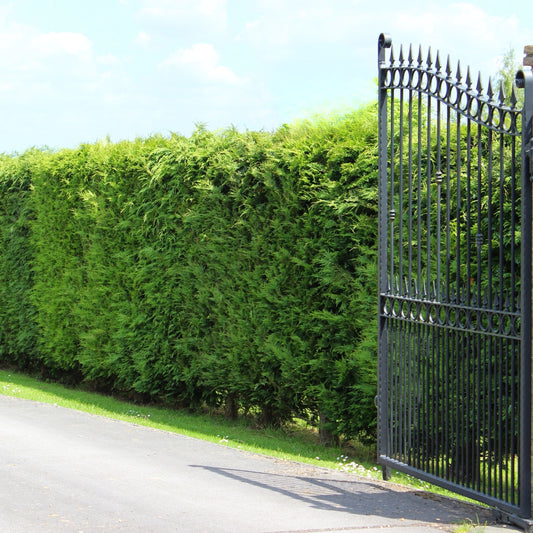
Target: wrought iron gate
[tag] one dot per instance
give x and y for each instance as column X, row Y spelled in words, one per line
column 455, row 329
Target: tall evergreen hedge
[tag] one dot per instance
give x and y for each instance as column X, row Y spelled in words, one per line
column 229, row 269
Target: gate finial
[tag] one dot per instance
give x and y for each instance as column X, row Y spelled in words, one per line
column 420, row 59
column 501, row 94
column 384, row 40
column 458, row 74
column 490, row 91
column 410, row 57
column 437, row 63
column 448, row 68
column 479, row 86
column 468, row 79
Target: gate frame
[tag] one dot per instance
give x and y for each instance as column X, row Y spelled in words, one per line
column 524, row 81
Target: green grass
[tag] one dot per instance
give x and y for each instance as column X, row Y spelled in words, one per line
column 297, row 442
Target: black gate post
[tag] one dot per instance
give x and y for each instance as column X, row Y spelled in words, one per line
column 524, row 80
column 381, row 400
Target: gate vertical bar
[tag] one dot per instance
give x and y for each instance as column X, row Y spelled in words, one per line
column 383, row 440
column 524, row 80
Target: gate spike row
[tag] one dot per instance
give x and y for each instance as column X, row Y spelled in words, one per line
column 424, row 290
column 391, row 57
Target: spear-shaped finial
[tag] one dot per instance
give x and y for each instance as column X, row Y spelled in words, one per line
column 401, row 58
column 501, row 94
column 479, row 86
column 429, row 61
column 437, row 62
column 410, row 56
column 490, row 92
column 458, row 74
column 513, row 99
column 448, row 68
column 468, row 79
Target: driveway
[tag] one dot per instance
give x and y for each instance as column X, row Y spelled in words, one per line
column 64, row 470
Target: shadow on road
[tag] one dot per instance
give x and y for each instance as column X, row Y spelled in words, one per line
column 362, row 497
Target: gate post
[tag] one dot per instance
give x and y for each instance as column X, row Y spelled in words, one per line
column 524, row 80
column 384, row 42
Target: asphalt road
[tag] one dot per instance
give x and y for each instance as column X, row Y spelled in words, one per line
column 63, row 470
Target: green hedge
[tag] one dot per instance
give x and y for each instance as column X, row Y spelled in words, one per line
column 228, row 269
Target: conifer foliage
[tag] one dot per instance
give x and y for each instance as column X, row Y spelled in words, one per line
column 227, row 269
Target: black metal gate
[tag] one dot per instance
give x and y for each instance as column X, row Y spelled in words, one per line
column 455, row 279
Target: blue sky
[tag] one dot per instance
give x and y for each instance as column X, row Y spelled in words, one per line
column 76, row 71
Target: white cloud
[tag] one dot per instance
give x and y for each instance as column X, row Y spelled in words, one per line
column 25, row 49
column 282, row 32
column 143, row 38
column 184, row 13
column 202, row 61
column 465, row 31
column 53, row 43
column 279, row 25
column 48, row 77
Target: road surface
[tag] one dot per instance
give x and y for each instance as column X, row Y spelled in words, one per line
column 67, row 471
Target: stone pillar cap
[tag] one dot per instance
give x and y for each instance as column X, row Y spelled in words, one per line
column 528, row 59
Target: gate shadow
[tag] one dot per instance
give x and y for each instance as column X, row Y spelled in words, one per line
column 362, row 497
